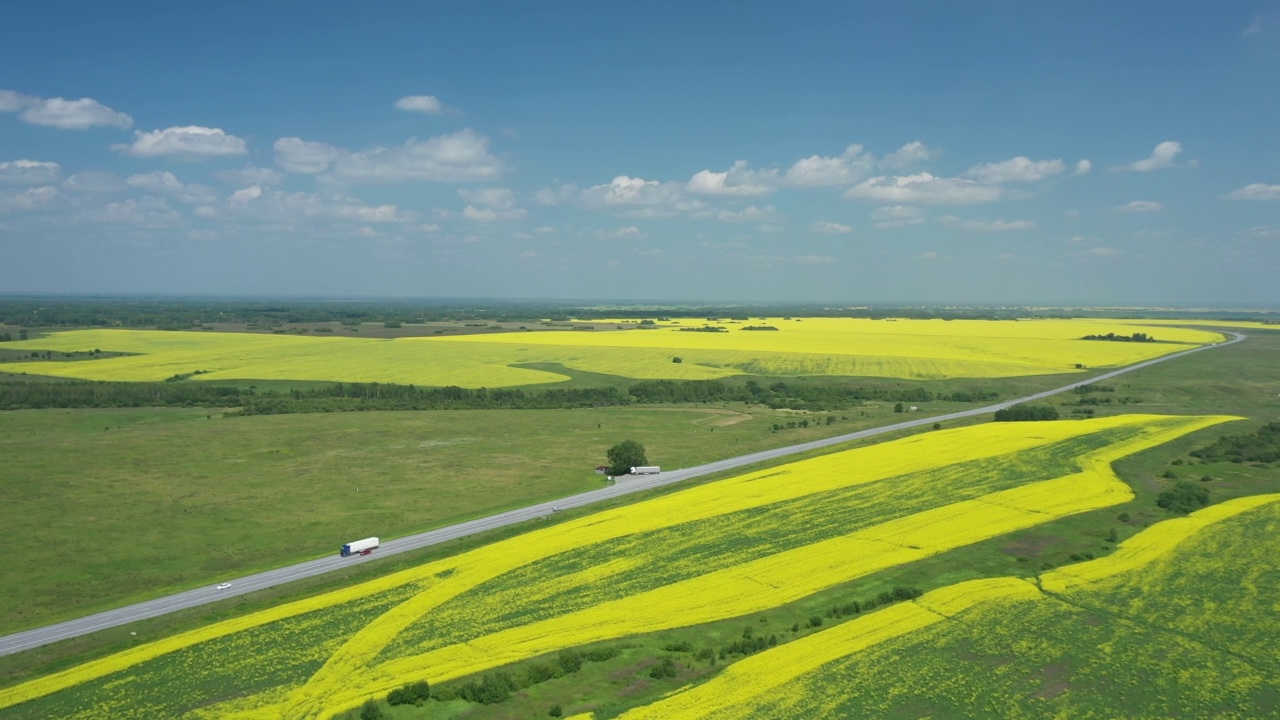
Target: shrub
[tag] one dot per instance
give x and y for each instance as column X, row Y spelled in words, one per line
column 570, row 661
column 1184, row 497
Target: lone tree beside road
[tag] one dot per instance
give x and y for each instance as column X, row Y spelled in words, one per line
column 626, row 455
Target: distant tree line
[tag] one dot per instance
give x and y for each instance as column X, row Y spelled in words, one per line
column 344, row 397
column 1026, row 413
column 1112, row 337
column 173, row 313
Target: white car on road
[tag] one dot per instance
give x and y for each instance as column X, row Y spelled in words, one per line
column 224, row 586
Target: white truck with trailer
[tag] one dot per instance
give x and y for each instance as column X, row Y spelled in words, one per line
column 646, row 470
column 359, row 547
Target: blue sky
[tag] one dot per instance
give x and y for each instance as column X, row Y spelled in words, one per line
column 923, row 152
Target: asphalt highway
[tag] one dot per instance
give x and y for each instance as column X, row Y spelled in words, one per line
column 626, row 485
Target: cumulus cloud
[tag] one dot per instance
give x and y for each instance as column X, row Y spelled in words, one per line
column 924, row 188
column 294, row 208
column 251, row 175
column 296, row 155
column 908, row 155
column 988, row 225
column 1083, row 167
column 749, row 214
column 622, row 233
column 149, row 213
column 819, row 171
column 191, row 141
column 488, row 214
column 11, row 101
column 1138, row 206
column 32, row 199
column 1017, row 170
column 428, row 104
column 826, row 227
column 497, row 198
column 29, row 172
column 1101, row 251
column 166, row 183
column 74, row 114
column 625, row 190
column 1161, row 157
column 1255, row 191
column 62, row 113
column 737, row 181
column 557, row 195
column 893, row 216
column 94, row 181
column 457, row 157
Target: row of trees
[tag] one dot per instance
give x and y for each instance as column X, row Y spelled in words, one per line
column 175, row 313
column 341, row 397
column 1024, row 413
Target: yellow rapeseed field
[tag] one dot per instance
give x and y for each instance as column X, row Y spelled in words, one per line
column 720, row 592
column 733, row 692
column 914, row 349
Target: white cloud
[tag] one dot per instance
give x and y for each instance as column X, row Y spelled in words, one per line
column 771, row 228
column 191, row 141
column 924, row 188
column 544, row 230
column 94, row 181
column 74, row 114
column 737, row 181
column 1264, row 231
column 487, row 215
column 166, row 183
column 32, row 199
column 1083, row 167
column 633, row 191
column 429, row 228
column 1103, row 251
column 1161, row 157
column 11, row 101
column 460, row 156
column 825, row 227
column 148, row 213
column 296, row 155
column 202, row 235
column 622, row 233
column 251, row 175
column 1255, row 191
column 819, row 171
column 1150, row 234
column 751, row 213
column 29, row 172
column 496, row 198
column 988, row 225
column 1072, row 214
column 428, row 104
column 908, row 155
column 893, row 216
column 557, row 195
column 294, row 208
column 1138, row 206
column 930, row 255
column 1020, row 169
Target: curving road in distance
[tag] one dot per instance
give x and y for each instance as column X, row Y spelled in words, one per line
column 26, row 640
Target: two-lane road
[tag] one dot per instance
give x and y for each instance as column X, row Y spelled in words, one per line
column 18, row 642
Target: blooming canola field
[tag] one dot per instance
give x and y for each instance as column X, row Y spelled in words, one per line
column 702, row 554
column 908, row 349
column 1179, row 621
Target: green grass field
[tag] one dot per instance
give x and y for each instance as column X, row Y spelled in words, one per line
column 118, row 505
